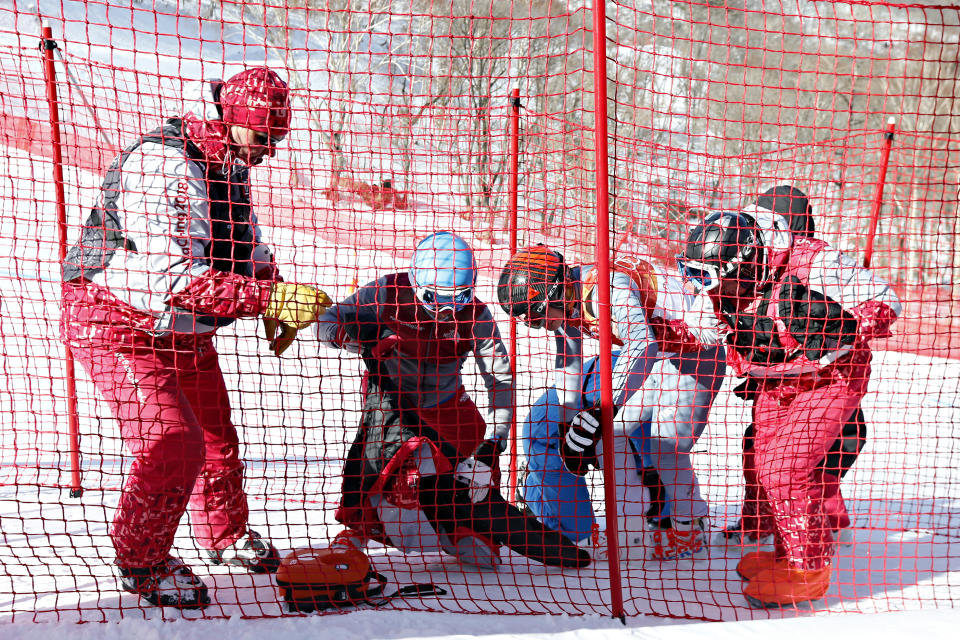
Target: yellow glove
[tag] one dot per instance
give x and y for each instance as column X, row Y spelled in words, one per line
column 278, row 343
column 297, row 305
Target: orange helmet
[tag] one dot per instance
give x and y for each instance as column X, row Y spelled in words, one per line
column 532, row 279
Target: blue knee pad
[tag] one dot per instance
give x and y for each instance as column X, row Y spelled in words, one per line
column 557, row 498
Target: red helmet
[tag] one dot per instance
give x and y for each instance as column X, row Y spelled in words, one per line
column 257, row 99
column 532, row 279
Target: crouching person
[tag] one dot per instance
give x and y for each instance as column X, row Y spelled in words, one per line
column 561, row 499
column 423, row 472
column 665, row 380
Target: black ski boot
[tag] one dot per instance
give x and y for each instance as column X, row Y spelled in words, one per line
column 169, row 584
column 251, row 552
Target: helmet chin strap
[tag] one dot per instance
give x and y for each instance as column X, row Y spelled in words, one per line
column 229, row 157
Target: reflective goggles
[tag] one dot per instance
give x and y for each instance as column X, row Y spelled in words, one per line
column 441, row 300
column 537, row 318
column 704, row 277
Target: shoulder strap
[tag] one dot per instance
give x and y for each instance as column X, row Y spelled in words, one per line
column 172, row 134
column 765, row 300
column 416, row 589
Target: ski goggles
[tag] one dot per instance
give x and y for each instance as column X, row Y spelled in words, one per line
column 264, row 140
column 444, row 300
column 537, row 317
column 704, row 277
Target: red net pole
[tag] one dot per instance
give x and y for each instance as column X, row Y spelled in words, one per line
column 878, row 196
column 512, row 206
column 603, row 299
column 50, row 75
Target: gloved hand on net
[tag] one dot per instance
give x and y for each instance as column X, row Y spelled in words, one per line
column 291, row 307
column 480, row 471
column 279, row 342
column 580, row 439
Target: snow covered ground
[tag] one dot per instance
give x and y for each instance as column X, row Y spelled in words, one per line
column 296, row 416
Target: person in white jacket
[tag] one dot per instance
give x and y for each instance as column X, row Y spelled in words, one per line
column 170, row 252
column 670, row 367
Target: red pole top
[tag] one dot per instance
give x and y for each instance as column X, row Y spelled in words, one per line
column 878, row 194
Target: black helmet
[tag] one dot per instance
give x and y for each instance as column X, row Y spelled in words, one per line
column 725, row 246
column 792, row 204
column 532, row 279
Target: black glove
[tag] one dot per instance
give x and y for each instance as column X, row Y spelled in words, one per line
column 580, row 439
column 488, row 451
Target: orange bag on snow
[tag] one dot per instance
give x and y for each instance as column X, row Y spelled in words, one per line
column 317, row 579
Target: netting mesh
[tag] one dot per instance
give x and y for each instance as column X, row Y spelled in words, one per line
column 400, row 128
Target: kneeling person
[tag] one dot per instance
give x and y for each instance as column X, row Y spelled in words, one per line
column 561, row 499
column 422, row 474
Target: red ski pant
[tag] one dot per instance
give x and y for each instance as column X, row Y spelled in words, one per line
column 793, row 433
column 174, row 415
column 458, row 421
column 757, row 515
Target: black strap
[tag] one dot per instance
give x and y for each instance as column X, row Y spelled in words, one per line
column 586, row 380
column 418, row 589
column 594, row 366
column 353, row 595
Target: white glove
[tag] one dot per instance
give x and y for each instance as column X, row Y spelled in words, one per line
column 476, row 472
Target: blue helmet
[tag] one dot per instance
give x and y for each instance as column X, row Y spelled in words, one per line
column 443, row 272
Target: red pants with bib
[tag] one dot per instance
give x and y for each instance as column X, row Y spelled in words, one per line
column 458, row 421
column 796, row 423
column 174, row 414
column 379, row 459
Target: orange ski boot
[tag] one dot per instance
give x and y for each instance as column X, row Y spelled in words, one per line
column 754, row 562
column 783, row 585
